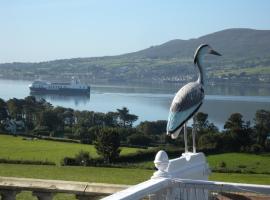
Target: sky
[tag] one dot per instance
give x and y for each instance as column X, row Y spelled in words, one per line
column 42, row 30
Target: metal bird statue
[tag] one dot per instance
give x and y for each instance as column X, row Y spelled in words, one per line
column 188, row 99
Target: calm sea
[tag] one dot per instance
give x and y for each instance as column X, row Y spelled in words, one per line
column 152, row 102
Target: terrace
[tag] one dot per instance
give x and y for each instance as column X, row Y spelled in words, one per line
column 185, row 178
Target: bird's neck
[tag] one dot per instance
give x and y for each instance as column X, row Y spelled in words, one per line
column 201, row 71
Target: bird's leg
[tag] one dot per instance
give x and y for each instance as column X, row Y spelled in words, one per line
column 193, row 138
column 185, row 137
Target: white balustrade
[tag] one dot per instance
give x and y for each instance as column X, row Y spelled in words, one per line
column 183, row 178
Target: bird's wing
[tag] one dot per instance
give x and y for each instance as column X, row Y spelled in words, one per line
column 177, row 119
column 187, row 101
column 187, row 97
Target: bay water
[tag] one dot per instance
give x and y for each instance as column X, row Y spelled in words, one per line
column 152, row 102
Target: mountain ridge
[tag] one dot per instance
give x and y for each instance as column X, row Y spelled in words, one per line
column 246, row 56
column 227, row 37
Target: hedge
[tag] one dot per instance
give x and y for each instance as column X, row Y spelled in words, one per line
column 26, row 162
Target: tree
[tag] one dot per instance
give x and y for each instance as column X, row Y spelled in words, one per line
column 107, row 144
column 234, row 122
column 201, row 120
column 262, row 126
column 152, row 128
column 84, row 118
column 50, row 119
column 68, row 117
column 30, row 110
column 139, row 139
column 239, row 131
column 209, row 141
column 202, row 125
column 3, row 110
column 126, row 119
column 110, row 119
column 15, row 108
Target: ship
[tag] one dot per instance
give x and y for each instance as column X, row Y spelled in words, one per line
column 74, row 87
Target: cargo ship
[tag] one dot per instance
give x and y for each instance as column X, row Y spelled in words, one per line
column 73, row 87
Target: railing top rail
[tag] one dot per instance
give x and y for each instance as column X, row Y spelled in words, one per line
column 223, row 186
column 154, row 185
column 59, row 186
column 141, row 190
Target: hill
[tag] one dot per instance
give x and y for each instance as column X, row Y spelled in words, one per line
column 233, row 43
column 245, row 59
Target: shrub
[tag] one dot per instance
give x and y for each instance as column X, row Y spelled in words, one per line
column 222, row 164
column 242, row 166
column 139, row 139
column 26, row 162
column 107, row 144
column 139, row 156
column 59, row 139
column 68, row 161
column 256, row 148
column 82, row 158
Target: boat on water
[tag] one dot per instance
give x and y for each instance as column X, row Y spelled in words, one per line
column 75, row 87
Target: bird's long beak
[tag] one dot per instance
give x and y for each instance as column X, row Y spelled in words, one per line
column 214, row 52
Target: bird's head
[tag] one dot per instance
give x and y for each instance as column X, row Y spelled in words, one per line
column 204, row 49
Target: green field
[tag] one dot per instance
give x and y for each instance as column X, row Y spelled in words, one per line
column 105, row 175
column 110, row 175
column 242, row 161
column 86, row 174
column 16, row 148
column 246, row 163
column 249, row 71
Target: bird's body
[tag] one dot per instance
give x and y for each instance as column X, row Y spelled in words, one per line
column 189, row 98
column 185, row 103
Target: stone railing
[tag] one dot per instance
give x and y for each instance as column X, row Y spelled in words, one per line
column 46, row 189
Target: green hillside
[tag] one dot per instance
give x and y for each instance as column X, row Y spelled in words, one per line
column 246, row 58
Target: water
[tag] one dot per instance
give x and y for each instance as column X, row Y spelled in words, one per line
column 152, row 102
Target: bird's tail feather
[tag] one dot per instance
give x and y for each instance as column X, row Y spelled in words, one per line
column 175, row 134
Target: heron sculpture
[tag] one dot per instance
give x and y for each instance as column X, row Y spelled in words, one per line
column 188, row 99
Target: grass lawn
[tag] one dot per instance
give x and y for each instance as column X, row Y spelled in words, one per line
column 16, row 148
column 246, row 162
column 105, row 175
column 241, row 178
column 111, row 175
column 86, row 174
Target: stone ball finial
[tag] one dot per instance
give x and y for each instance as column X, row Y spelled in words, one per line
column 161, row 160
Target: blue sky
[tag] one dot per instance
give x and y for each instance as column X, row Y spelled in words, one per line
column 40, row 30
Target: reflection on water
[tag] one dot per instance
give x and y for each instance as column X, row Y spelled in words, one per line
column 152, row 102
column 171, row 88
column 78, row 99
column 237, row 90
